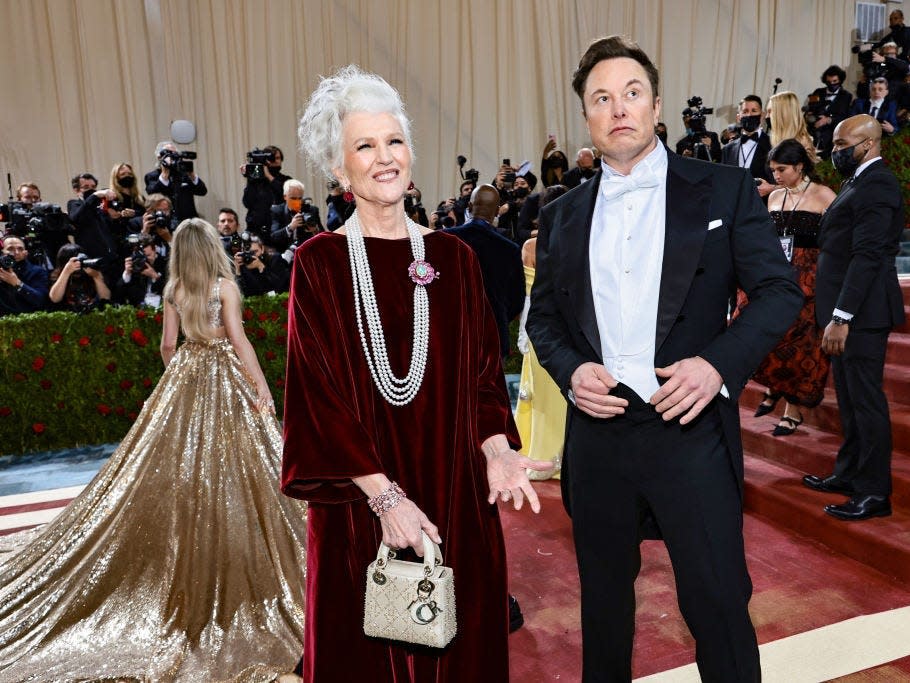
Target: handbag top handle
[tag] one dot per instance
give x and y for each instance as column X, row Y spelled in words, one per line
column 432, row 555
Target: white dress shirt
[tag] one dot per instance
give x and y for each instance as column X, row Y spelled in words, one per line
column 625, row 256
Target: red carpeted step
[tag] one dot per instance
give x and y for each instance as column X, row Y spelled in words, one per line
column 775, row 492
column 812, row 451
column 898, row 349
column 826, row 415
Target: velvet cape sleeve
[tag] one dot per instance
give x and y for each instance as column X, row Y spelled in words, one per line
column 325, row 443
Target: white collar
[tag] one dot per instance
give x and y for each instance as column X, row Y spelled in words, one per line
column 862, row 167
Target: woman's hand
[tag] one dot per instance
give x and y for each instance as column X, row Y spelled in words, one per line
column 264, row 399
column 401, row 527
column 508, row 478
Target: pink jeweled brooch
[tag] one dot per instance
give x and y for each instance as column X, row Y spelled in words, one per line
column 422, row 273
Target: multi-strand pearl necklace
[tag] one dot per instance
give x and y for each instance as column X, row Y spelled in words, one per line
column 395, row 390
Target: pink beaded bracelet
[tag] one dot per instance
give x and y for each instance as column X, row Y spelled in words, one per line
column 381, row 503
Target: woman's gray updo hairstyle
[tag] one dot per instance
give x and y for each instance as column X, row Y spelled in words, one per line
column 348, row 90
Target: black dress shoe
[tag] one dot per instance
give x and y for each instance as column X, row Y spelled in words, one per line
column 516, row 619
column 783, row 430
column 829, row 484
column 861, row 507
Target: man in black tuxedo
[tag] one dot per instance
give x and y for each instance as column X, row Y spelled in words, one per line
column 857, row 302
column 500, row 260
column 750, row 149
column 628, row 314
column 826, row 107
column 176, row 180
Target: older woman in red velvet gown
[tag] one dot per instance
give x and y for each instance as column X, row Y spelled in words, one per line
column 381, row 458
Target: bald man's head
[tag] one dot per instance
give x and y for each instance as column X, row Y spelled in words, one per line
column 856, row 130
column 484, row 203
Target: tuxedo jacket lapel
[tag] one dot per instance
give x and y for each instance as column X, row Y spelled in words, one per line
column 582, row 211
column 688, row 203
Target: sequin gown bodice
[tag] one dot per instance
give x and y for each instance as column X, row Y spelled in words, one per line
column 180, row 560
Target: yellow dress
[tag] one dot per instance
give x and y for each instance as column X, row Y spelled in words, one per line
column 541, row 411
column 180, row 560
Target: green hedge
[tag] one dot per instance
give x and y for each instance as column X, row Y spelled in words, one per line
column 71, row 379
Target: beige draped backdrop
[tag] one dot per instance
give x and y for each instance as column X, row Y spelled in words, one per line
column 87, row 83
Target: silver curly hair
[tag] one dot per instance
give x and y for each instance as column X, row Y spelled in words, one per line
column 348, row 90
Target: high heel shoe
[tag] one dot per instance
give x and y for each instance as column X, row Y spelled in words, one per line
column 764, row 408
column 780, row 430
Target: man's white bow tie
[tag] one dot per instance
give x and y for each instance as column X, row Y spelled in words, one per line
column 614, row 186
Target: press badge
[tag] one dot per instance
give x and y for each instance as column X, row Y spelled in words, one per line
column 786, row 244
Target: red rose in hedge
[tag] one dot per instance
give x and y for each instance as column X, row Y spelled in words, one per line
column 141, row 314
column 38, row 363
column 38, row 428
column 19, row 377
column 263, row 317
column 111, row 367
column 126, row 384
column 5, row 411
column 46, row 384
column 158, row 318
column 132, row 416
column 247, row 313
column 109, row 330
column 56, row 338
column 84, row 341
column 279, row 383
column 60, row 405
column 260, row 333
column 18, row 343
column 146, row 382
column 104, row 409
column 274, row 316
column 281, row 339
column 139, row 339
column 120, row 410
column 270, row 355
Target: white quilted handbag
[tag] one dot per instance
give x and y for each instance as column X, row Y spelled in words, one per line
column 410, row 601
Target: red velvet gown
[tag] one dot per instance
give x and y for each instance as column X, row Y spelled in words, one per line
column 337, row 426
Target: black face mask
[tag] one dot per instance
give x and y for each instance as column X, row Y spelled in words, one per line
column 87, row 194
column 127, row 181
column 768, row 123
column 520, row 192
column 587, row 173
column 844, row 160
column 750, row 123
column 275, row 170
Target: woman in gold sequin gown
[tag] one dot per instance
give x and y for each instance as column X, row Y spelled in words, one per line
column 180, row 560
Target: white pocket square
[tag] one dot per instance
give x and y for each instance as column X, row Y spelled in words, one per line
column 716, row 223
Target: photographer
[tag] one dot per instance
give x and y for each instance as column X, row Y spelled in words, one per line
column 512, row 197
column 175, row 177
column 414, row 208
column 93, row 224
column 699, row 142
column 340, row 205
column 899, row 34
column 23, row 285
column 882, row 62
column 76, row 283
column 264, row 187
column 144, row 275
column 443, row 216
column 296, row 220
column 28, row 194
column 41, row 225
column 826, row 107
column 128, row 202
column 158, row 221
column 258, row 272
column 584, row 169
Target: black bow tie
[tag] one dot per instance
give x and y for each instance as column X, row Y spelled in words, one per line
column 749, row 136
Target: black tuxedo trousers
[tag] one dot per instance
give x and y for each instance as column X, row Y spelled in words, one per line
column 682, row 476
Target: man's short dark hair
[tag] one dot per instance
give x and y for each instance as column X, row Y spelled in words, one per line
column 611, row 47
column 753, row 98
column 230, row 211
column 834, row 70
column 83, row 176
column 273, row 148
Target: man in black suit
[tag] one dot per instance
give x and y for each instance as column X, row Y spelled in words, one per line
column 294, row 221
column 750, row 149
column 584, row 169
column 857, row 302
column 500, row 260
column 629, row 315
column 826, row 107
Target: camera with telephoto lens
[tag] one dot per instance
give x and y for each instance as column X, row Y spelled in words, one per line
column 86, row 262
column 257, row 159
column 137, row 257
column 178, row 162
column 162, row 219
column 697, row 113
column 16, row 215
column 471, row 174
column 7, row 262
column 871, row 69
column 246, row 253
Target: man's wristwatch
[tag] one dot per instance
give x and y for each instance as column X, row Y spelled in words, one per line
column 837, row 320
